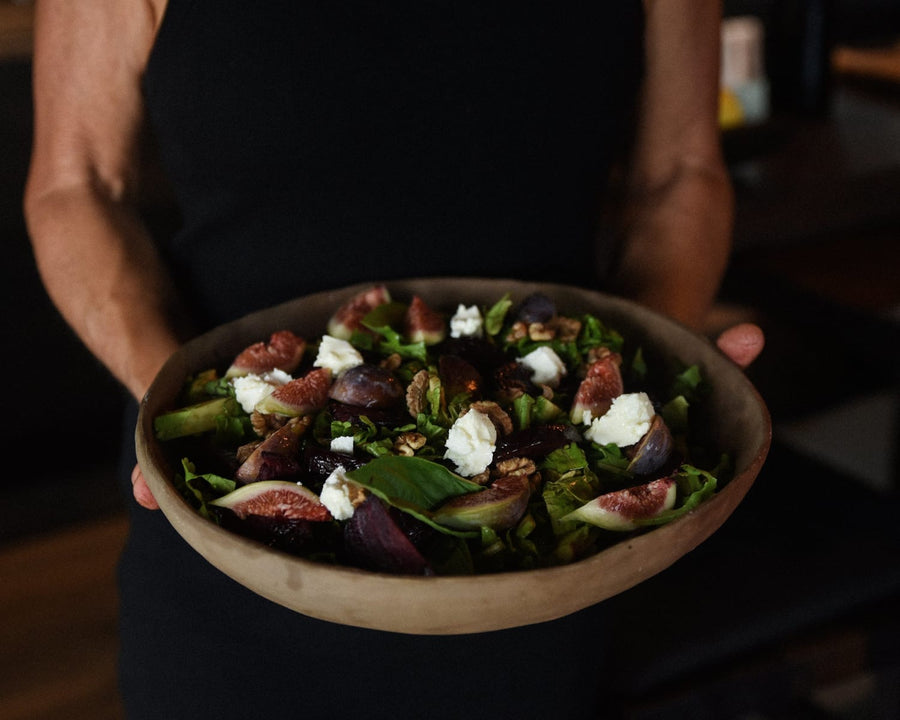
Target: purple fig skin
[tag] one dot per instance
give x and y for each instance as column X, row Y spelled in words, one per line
column 367, row 386
column 654, row 449
column 536, row 308
column 499, row 506
column 277, row 456
column 383, row 417
column 373, row 541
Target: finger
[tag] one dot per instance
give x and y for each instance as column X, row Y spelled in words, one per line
column 142, row 491
column 742, row 343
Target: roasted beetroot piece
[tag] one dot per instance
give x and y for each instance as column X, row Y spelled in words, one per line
column 367, row 386
column 284, row 351
column 499, row 506
column 512, row 380
column 478, row 352
column 373, row 541
column 348, row 318
column 422, row 324
column 536, row 308
column 654, row 449
column 534, row 442
column 319, row 462
column 458, row 377
column 278, row 456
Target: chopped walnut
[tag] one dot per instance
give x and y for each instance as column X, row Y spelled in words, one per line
column 519, row 467
column 541, row 331
column 417, row 393
column 515, row 466
column 407, row 443
column 567, row 328
column 518, row 331
column 392, row 362
column 264, row 424
column 481, row 478
column 497, row 414
column 597, row 353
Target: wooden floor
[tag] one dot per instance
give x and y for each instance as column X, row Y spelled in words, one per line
column 58, row 618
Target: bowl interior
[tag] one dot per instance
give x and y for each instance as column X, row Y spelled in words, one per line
column 738, row 423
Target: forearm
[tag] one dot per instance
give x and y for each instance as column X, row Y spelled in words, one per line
column 102, row 272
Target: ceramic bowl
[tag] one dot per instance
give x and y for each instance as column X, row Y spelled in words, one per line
column 739, row 425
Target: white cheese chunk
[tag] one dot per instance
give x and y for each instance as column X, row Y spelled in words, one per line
column 337, row 355
column 625, row 423
column 250, row 390
column 342, row 444
column 338, row 494
column 546, row 367
column 471, row 443
column 466, row 322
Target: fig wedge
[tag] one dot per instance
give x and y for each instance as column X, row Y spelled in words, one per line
column 621, row 510
column 277, row 456
column 654, row 449
column 284, row 351
column 301, row 396
column 499, row 506
column 602, row 383
column 348, row 318
column 423, row 324
column 274, row 499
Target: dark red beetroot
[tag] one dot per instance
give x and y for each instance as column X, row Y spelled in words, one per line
column 373, row 541
column 459, row 376
column 533, row 442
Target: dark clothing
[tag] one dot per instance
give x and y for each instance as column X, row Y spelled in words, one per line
column 315, row 144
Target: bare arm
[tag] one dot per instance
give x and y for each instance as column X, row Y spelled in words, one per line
column 96, row 259
column 679, row 203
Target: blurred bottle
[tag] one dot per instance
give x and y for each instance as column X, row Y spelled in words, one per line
column 745, row 87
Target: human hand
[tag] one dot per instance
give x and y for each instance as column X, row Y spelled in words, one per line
column 141, row 490
column 742, row 343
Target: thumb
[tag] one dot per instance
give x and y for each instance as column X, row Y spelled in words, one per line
column 742, row 343
column 142, row 491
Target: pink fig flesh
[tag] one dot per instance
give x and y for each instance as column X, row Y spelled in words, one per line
column 620, row 510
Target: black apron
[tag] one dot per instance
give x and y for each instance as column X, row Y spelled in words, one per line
column 315, row 144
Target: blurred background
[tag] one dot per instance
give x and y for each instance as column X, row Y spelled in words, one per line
column 789, row 611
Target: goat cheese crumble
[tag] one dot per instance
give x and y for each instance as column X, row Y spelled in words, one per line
column 250, row 390
column 547, row 368
column 625, row 423
column 466, row 322
column 471, row 442
column 337, row 355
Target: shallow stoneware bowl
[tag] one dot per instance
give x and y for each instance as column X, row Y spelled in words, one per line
column 451, row 605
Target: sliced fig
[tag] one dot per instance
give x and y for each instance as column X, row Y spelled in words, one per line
column 423, row 324
column 277, row 456
column 284, row 351
column 602, row 383
column 621, row 509
column 348, row 318
column 374, row 541
column 536, row 308
column 275, row 499
column 499, row 506
column 301, row 396
column 534, row 442
column 367, row 386
column 458, row 377
column 653, row 450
